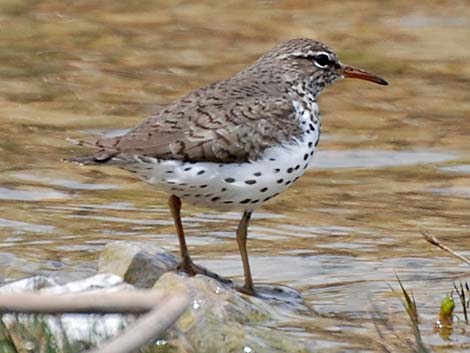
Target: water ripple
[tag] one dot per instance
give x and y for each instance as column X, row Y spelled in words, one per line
column 376, row 158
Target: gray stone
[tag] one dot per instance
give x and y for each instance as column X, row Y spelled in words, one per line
column 66, row 333
column 220, row 319
column 139, row 264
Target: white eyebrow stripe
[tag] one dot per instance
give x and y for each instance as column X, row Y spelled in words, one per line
column 309, row 53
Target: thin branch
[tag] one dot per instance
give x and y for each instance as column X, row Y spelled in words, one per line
column 131, row 302
column 411, row 309
column 433, row 240
column 461, row 293
column 147, row 328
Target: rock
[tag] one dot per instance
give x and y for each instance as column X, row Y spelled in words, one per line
column 60, row 333
column 139, row 264
column 223, row 320
column 220, row 319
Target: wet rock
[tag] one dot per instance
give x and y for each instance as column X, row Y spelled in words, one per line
column 221, row 319
column 139, row 264
column 66, row 333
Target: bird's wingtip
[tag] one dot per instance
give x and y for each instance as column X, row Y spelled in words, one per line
column 80, row 142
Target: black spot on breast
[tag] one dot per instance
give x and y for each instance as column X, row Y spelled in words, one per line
column 279, row 181
column 277, row 170
column 257, row 174
column 201, row 172
column 305, row 156
column 245, row 201
column 229, row 180
column 316, row 142
column 288, row 182
column 290, row 170
column 223, row 189
column 254, row 201
column 263, row 190
column 169, row 171
column 311, row 127
column 305, row 166
column 227, row 202
column 203, row 186
column 250, row 182
column 297, row 167
column 310, row 144
column 215, row 198
column 272, row 159
column 187, row 168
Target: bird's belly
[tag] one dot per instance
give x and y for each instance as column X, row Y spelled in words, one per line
column 231, row 185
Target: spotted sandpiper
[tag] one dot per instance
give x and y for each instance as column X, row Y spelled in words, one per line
column 236, row 143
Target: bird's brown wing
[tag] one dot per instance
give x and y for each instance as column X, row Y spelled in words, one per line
column 236, row 131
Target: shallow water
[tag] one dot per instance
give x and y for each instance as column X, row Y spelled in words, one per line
column 393, row 160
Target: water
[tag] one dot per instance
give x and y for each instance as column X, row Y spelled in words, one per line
column 393, row 160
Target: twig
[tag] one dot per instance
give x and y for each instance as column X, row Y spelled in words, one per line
column 378, row 319
column 409, row 304
column 148, row 327
column 461, row 293
column 131, row 302
column 411, row 309
column 433, row 240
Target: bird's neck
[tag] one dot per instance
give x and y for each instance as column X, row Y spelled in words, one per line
column 311, row 86
column 307, row 97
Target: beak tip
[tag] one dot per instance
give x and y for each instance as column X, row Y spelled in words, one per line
column 382, row 82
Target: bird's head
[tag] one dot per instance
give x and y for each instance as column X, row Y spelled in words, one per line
column 314, row 63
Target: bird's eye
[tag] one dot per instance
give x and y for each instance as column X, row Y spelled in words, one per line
column 322, row 60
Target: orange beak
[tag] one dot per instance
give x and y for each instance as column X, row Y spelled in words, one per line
column 354, row 72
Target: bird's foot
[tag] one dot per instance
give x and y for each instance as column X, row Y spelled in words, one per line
column 247, row 290
column 192, row 269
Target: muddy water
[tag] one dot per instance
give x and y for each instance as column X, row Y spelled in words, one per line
column 393, row 160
